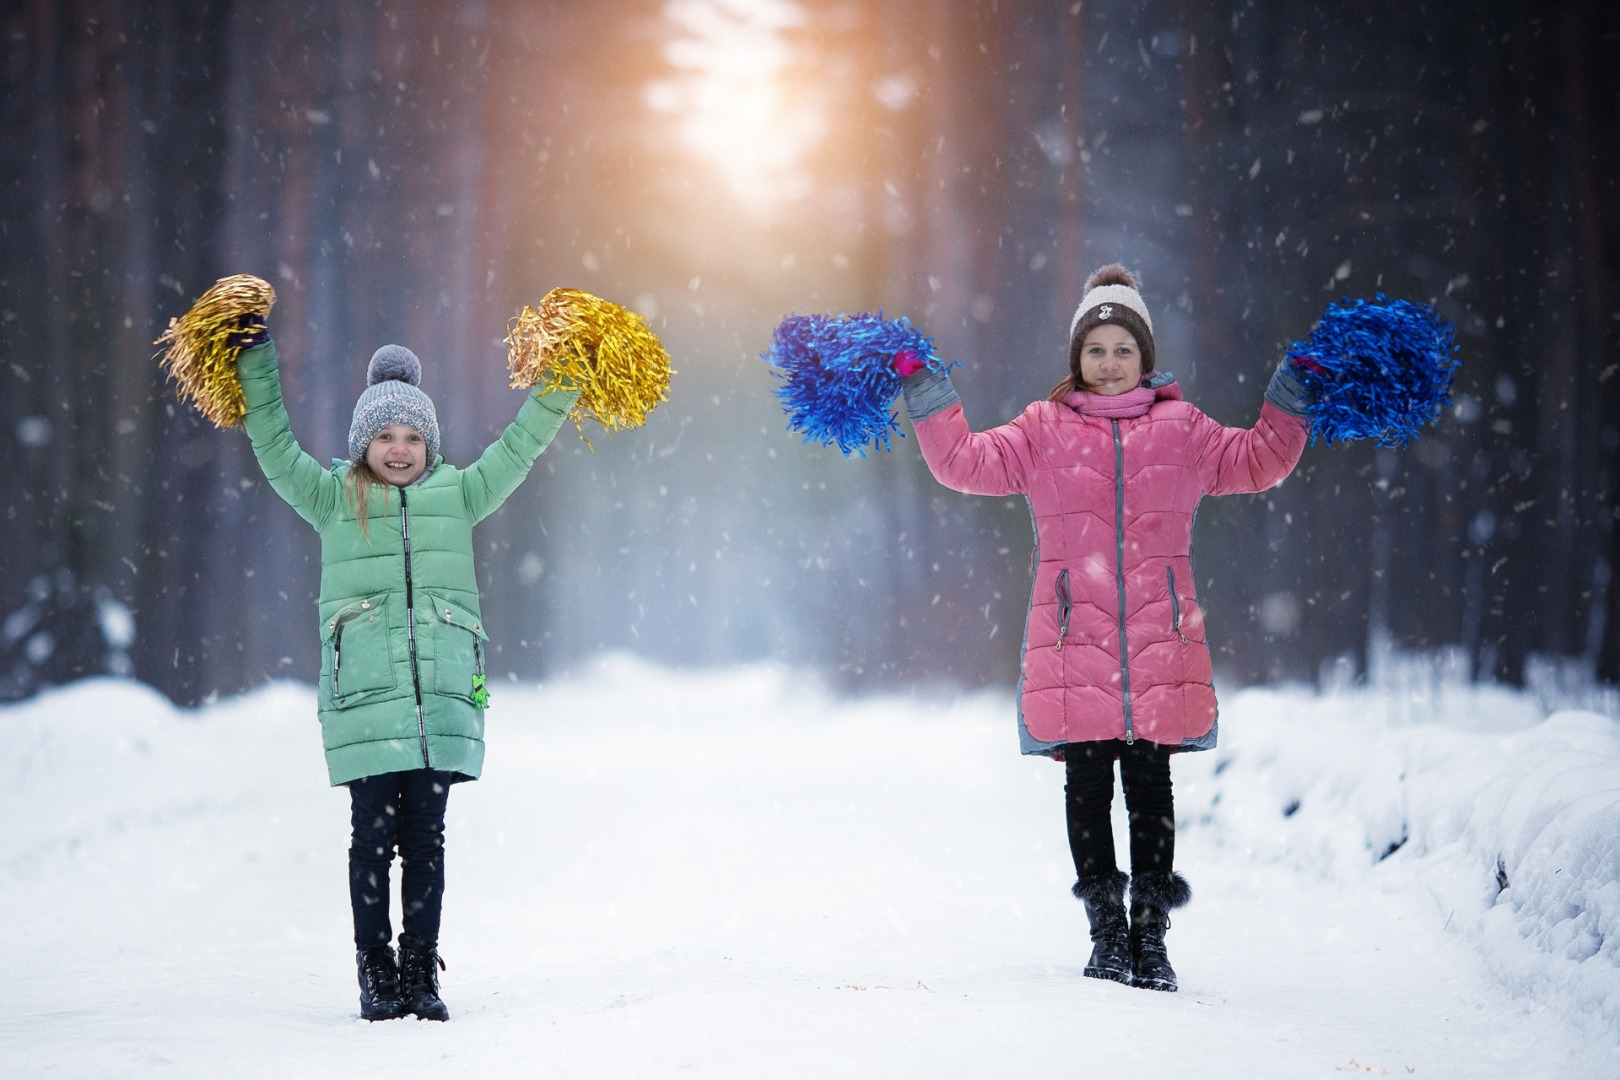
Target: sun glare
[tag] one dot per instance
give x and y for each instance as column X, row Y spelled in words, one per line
column 732, row 100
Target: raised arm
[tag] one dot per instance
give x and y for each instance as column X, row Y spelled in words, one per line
column 293, row 474
column 501, row 468
column 994, row 462
column 1240, row 461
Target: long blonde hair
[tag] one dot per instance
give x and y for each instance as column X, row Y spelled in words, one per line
column 361, row 483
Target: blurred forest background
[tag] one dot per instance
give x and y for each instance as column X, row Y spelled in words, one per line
column 415, row 170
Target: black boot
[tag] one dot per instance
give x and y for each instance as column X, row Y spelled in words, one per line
column 380, row 996
column 1104, row 897
column 419, row 970
column 1153, row 896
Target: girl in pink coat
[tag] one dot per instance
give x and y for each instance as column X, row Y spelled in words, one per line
column 1115, row 662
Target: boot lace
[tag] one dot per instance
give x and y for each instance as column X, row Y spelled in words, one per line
column 419, row 973
column 382, row 977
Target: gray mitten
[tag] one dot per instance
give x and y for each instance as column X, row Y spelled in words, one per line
column 928, row 392
column 1287, row 391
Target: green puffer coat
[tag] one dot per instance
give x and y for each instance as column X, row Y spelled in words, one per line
column 401, row 633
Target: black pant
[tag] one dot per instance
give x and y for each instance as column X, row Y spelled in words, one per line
column 407, row 809
column 1088, row 792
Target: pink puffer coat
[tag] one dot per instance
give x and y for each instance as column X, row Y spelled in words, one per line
column 1083, row 476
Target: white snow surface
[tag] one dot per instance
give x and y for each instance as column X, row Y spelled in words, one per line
column 738, row 874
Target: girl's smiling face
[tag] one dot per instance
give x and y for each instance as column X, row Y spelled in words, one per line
column 398, row 454
column 1110, row 362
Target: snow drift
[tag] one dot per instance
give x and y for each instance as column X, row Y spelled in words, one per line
column 728, row 873
column 1508, row 824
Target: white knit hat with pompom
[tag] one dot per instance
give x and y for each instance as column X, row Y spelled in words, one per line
column 1112, row 296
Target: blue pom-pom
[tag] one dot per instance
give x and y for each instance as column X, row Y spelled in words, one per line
column 837, row 375
column 1376, row 369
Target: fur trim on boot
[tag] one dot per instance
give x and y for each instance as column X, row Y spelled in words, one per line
column 1106, row 888
column 1162, row 890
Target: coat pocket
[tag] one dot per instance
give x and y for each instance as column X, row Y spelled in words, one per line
column 458, row 652
column 362, row 664
column 1065, row 602
column 1175, row 605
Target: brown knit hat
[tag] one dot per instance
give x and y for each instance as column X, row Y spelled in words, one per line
column 1111, row 297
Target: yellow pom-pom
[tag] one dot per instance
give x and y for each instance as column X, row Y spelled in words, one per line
column 199, row 356
column 576, row 340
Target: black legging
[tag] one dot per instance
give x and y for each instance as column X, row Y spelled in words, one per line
column 1088, row 792
column 407, row 809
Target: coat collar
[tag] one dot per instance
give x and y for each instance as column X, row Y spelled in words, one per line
column 438, row 459
column 1160, row 386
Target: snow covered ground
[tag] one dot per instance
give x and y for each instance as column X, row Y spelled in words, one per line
column 736, row 874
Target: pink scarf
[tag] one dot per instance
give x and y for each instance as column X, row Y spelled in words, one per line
column 1118, row 406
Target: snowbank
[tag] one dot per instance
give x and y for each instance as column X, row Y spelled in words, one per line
column 734, row 873
column 1509, row 823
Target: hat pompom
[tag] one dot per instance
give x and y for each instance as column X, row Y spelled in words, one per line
column 396, row 363
column 1112, row 274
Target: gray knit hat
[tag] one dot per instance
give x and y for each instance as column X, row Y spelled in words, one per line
column 391, row 397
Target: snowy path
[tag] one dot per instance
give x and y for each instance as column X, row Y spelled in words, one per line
column 711, row 875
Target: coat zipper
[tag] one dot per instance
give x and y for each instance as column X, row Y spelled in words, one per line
column 1119, row 575
column 337, row 666
column 410, row 624
column 1175, row 605
column 1065, row 607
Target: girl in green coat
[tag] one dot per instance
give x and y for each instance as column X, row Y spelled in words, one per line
column 401, row 695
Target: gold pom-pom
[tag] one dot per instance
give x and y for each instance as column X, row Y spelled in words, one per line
column 199, row 356
column 611, row 355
